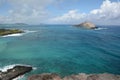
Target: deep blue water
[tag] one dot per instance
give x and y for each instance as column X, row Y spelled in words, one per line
column 63, row 49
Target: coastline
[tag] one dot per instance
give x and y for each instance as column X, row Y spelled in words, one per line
column 14, row 72
column 18, row 34
column 54, row 76
column 24, row 77
column 4, row 32
column 80, row 76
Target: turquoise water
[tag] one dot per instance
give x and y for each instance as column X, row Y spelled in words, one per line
column 63, row 49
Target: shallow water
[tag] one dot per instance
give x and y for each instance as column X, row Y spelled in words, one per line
column 63, row 49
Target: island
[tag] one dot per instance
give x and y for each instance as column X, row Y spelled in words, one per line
column 4, row 32
column 87, row 25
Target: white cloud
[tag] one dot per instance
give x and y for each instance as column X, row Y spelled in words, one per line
column 28, row 11
column 108, row 10
column 108, row 13
column 35, row 11
column 71, row 16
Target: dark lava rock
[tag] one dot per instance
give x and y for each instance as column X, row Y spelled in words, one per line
column 14, row 72
column 81, row 76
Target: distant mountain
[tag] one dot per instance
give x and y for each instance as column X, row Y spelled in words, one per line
column 21, row 24
column 14, row 24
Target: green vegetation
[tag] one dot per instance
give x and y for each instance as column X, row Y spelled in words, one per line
column 4, row 32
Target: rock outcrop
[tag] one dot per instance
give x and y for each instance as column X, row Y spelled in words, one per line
column 45, row 76
column 14, row 72
column 81, row 76
column 4, row 32
column 87, row 25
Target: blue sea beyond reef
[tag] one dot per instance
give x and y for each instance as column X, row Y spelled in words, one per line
column 63, row 49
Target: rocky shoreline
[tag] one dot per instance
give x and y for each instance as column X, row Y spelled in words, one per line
column 14, row 72
column 19, row 70
column 81, row 76
column 4, row 32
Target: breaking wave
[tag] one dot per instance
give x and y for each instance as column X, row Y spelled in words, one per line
column 101, row 28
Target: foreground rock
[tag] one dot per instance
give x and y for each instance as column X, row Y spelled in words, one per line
column 80, row 76
column 14, row 72
column 87, row 25
column 45, row 76
column 4, row 32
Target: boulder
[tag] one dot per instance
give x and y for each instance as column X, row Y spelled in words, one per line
column 14, row 72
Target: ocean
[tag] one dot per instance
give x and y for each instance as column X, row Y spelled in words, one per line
column 62, row 49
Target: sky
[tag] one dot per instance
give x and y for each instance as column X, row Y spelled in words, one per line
column 101, row 12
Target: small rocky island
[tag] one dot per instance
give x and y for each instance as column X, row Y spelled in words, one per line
column 4, row 32
column 87, row 25
column 14, row 72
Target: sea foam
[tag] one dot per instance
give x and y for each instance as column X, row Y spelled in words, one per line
column 10, row 35
column 100, row 28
